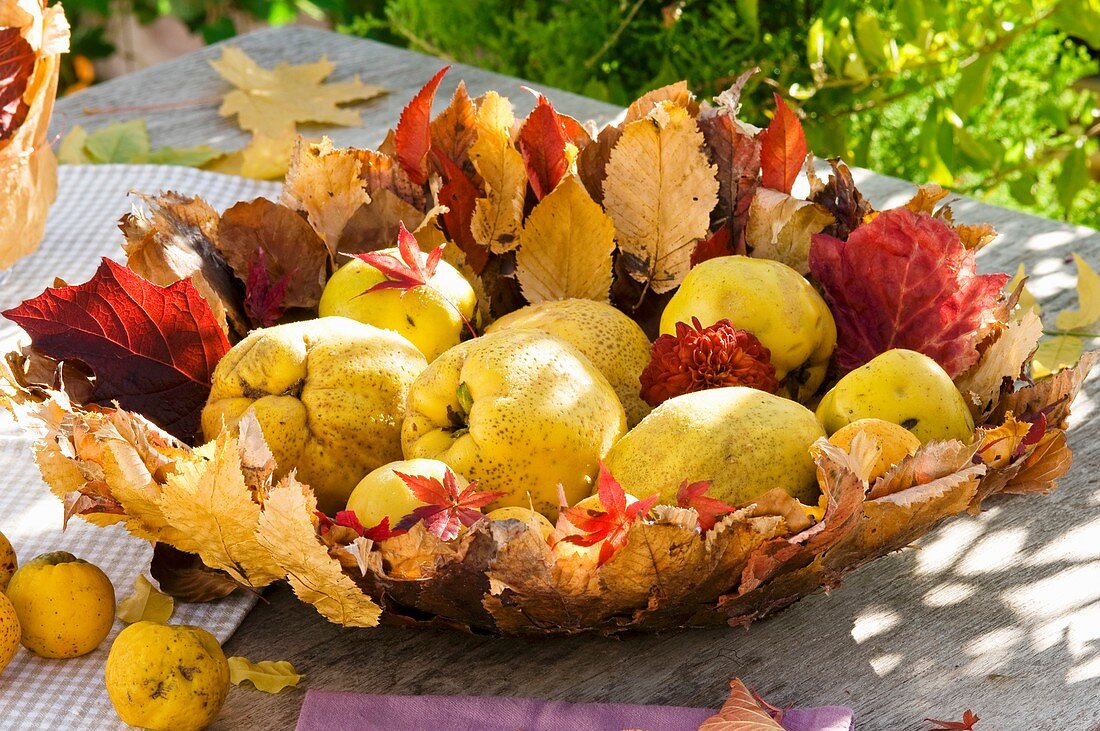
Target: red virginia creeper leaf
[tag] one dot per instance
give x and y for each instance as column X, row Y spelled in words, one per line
column 904, row 280
column 16, row 67
column 542, row 140
column 966, row 724
column 694, row 495
column 460, row 196
column 413, row 269
column 611, row 526
column 448, row 509
column 782, row 149
column 264, row 300
column 413, row 137
column 152, row 349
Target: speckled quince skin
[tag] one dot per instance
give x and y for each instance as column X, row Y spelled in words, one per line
column 9, row 631
column 166, row 677
column 745, row 442
column 8, row 561
column 427, row 315
column 66, row 606
column 329, row 395
column 382, row 494
column 904, row 387
column 770, row 300
column 520, row 412
column 607, row 336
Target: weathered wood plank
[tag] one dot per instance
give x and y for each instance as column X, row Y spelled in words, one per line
column 997, row 612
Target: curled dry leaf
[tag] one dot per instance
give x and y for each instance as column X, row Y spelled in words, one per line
column 1001, row 363
column 840, row 198
column 659, row 191
column 1051, row 395
column 735, row 151
column 741, row 712
column 779, row 227
column 499, row 215
column 325, row 184
column 1049, row 460
column 268, row 676
column 566, row 247
column 677, row 93
column 185, row 577
column 146, row 604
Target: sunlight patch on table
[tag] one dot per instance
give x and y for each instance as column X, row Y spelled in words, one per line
column 1073, row 587
column 872, row 622
column 948, row 594
column 997, row 551
column 885, row 664
column 949, row 544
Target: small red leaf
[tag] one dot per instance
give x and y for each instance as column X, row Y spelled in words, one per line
column 264, row 299
column 152, row 349
column 460, row 196
column 16, row 67
column 694, row 495
column 905, row 280
column 782, row 149
column 609, row 527
column 413, row 138
column 448, row 509
column 542, row 140
column 717, row 244
column 413, row 269
column 966, row 724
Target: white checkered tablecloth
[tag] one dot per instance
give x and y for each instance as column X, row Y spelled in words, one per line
column 38, row 694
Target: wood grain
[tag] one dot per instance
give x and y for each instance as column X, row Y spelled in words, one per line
column 999, row 612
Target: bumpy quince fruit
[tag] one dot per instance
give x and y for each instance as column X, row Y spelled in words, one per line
column 428, row 315
column 895, row 442
column 745, row 442
column 166, row 677
column 66, row 606
column 519, row 411
column 903, row 387
column 9, row 631
column 609, row 338
column 329, row 395
column 770, row 300
column 8, row 562
column 382, row 494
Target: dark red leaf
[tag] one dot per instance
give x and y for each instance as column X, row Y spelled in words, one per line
column 905, row 280
column 842, row 199
column 609, row 527
column 694, row 495
column 152, row 349
column 185, row 577
column 264, row 299
column 782, row 149
column 460, row 196
column 542, row 140
column 966, row 724
column 448, row 509
column 381, row 531
column 736, row 154
column 413, row 269
column 16, row 67
column 719, row 243
column 413, row 137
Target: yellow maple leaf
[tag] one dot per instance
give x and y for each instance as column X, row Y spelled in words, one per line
column 566, row 247
column 286, row 530
column 659, row 191
column 324, row 183
column 498, row 216
column 1088, row 300
column 271, row 102
column 780, row 226
column 146, row 604
column 269, row 676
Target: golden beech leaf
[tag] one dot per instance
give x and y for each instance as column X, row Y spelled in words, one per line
column 271, row 102
column 269, row 676
column 287, row 532
column 740, row 712
column 677, row 93
column 499, row 215
column 325, row 184
column 566, row 247
column 780, row 227
column 659, row 191
column 209, row 502
column 1088, row 300
column 1002, row 361
column 146, row 604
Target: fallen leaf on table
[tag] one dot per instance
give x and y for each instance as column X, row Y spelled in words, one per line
column 566, row 247
column 272, row 102
column 146, row 604
column 1026, row 301
column 966, row 724
column 269, row 676
column 324, row 183
column 128, row 143
column 1088, row 300
column 782, row 149
column 499, row 215
column 1056, row 353
column 153, row 349
column 70, row 151
column 740, row 712
column 659, row 191
column 780, row 226
column 263, row 158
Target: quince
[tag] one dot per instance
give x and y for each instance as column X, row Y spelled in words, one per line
column 166, row 677
column 65, row 605
column 608, row 337
column 903, row 387
column 519, row 411
column 329, row 395
column 382, row 494
column 894, row 442
column 430, row 316
column 8, row 562
column 744, row 441
column 9, row 631
column 770, row 300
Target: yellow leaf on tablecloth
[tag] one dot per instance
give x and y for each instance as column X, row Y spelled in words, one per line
column 287, row 532
column 780, row 227
column 566, row 247
column 659, row 191
column 146, row 604
column 269, row 676
column 498, row 216
column 263, row 158
column 1088, row 300
column 324, row 183
column 271, row 102
column 1056, row 353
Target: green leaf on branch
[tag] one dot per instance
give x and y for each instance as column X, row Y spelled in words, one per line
column 973, row 81
column 1073, row 178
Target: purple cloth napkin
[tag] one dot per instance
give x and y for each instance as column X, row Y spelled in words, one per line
column 327, row 711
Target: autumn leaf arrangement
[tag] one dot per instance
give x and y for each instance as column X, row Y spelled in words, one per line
column 474, row 248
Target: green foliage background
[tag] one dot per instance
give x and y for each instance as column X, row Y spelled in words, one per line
column 993, row 98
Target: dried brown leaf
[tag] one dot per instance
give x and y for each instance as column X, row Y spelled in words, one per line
column 325, row 184
column 740, row 712
column 1001, row 363
column 779, row 227
column 1052, row 395
column 678, row 94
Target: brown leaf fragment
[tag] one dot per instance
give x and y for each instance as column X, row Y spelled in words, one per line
column 740, row 712
column 592, row 161
column 840, row 198
column 375, row 225
column 1004, row 356
column 780, row 227
column 678, row 93
column 1050, row 460
column 929, row 463
column 455, row 129
column 185, row 577
column 1051, row 395
column 325, row 184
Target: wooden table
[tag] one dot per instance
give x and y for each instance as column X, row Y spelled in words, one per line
column 998, row 612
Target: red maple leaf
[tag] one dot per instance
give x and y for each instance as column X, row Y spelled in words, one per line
column 16, row 67
column 610, row 526
column 542, row 140
column 966, row 724
column 152, row 349
column 460, row 196
column 782, row 149
column 905, row 280
column 694, row 495
column 412, row 270
column 448, row 508
column 264, row 298
column 413, row 137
